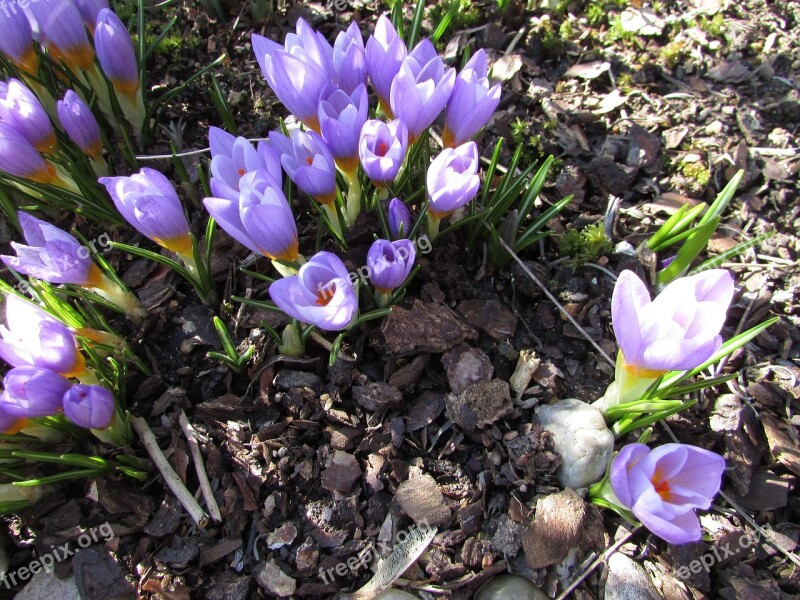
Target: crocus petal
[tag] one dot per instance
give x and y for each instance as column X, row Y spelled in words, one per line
column 89, row 406
column 80, row 124
column 630, row 295
column 115, row 52
column 682, row 529
column 226, row 214
column 627, row 458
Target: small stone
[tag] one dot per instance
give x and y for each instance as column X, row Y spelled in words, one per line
column 287, row 380
column 465, row 365
column 492, row 317
column 375, row 395
column 480, row 404
column 581, row 438
column 282, row 536
column 627, row 580
column 644, row 148
column 424, row 328
column 274, row 581
column 45, row 584
column 408, row 375
column 342, row 473
column 421, row 499
column 505, row 587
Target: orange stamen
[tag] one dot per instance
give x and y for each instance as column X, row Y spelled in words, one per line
column 325, row 295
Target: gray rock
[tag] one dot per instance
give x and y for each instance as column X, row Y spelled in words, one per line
column 274, row 581
column 287, row 379
column 581, row 438
column 627, row 580
column 505, row 587
column 465, row 365
column 46, row 585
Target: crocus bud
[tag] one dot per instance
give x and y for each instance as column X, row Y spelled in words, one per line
column 80, row 124
column 20, row 108
column 62, row 31
column 321, row 293
column 341, row 117
column 349, row 61
column 308, row 162
column 399, row 219
column 149, row 202
column 52, row 255
column 298, row 71
column 232, row 157
column 679, row 329
column 114, row 48
column 385, row 51
column 389, row 264
column 453, row 179
column 20, row 159
column 382, row 149
column 267, row 217
column 33, row 392
column 89, row 9
column 471, row 104
column 17, row 39
column 664, row 486
column 34, row 337
column 421, row 89
column 89, row 406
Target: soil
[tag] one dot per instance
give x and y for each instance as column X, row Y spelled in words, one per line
column 312, row 465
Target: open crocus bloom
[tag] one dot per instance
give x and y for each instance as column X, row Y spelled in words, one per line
column 33, row 392
column 149, row 202
column 308, row 161
column 52, row 255
column 471, row 104
column 679, row 329
column 662, row 487
column 390, row 263
column 33, row 337
column 421, row 89
column 320, row 294
column 382, row 149
column 232, row 158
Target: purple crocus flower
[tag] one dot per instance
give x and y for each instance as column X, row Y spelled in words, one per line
column 663, row 486
column 341, row 117
column 471, row 104
column 400, row 223
column 52, row 255
column 148, row 201
column 115, row 53
column 678, row 330
column 349, row 60
column 20, row 159
column 63, row 32
column 89, row 10
column 453, row 179
column 33, row 392
column 232, row 157
column 89, row 406
column 259, row 218
column 321, row 293
column 80, row 124
column 390, row 263
column 382, row 149
column 17, row 39
column 34, row 337
column 421, row 89
column 20, row 108
column 308, row 161
column 385, row 52
column 298, row 71
column 9, row 424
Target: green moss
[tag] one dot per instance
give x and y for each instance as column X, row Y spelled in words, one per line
column 696, row 171
column 715, row 26
column 584, row 246
column 674, row 53
column 625, row 82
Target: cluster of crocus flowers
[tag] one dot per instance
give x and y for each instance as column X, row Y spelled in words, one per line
column 664, row 486
column 74, row 33
column 55, row 256
column 324, row 86
column 45, row 357
column 679, row 330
